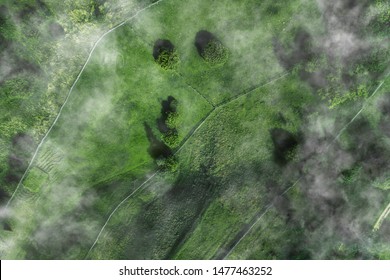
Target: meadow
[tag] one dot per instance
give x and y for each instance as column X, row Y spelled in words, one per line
column 279, row 151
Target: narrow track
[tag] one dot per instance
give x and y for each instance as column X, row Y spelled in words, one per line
column 69, row 94
column 381, row 218
column 297, row 181
column 184, row 141
column 117, row 207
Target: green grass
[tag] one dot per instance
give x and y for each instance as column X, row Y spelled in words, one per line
column 219, row 223
column 101, row 129
column 249, row 119
column 36, row 180
column 245, row 28
column 120, row 90
column 274, row 237
column 231, row 157
column 99, row 142
column 227, row 174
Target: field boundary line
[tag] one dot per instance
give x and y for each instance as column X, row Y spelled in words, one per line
column 359, row 112
column 252, row 89
column 222, row 104
column 109, row 179
column 267, row 208
column 327, row 147
column 194, row 130
column 117, row 207
column 381, row 218
column 152, row 176
column 184, row 142
column 194, row 89
column 70, row 92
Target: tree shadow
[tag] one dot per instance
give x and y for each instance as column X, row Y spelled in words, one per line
column 22, row 148
column 284, row 143
column 164, row 224
column 157, row 149
column 202, row 39
column 384, row 108
column 167, row 107
column 162, row 45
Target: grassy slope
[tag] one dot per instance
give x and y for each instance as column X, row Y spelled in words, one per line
column 225, row 167
column 43, row 45
column 231, row 158
column 222, row 213
column 273, row 235
column 246, row 28
column 120, row 90
column 100, row 132
column 245, row 163
column 197, row 156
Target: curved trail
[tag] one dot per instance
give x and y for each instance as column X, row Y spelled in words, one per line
column 116, row 208
column 184, row 141
column 267, row 208
column 147, row 180
column 297, row 181
column 381, row 218
column 359, row 112
column 69, row 93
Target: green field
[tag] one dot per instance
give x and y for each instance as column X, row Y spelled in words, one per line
column 100, row 136
column 278, row 152
column 245, row 28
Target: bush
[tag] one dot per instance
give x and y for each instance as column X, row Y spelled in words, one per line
column 165, row 54
column 210, row 48
column 168, row 60
column 215, row 53
column 171, row 139
column 171, row 164
column 172, row 120
column 168, row 164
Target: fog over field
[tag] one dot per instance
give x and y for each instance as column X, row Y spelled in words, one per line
column 270, row 141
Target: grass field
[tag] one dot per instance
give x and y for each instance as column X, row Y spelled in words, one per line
column 100, row 135
column 358, row 214
column 231, row 167
column 246, row 28
column 279, row 153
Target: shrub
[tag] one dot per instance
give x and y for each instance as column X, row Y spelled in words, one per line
column 168, row 164
column 210, row 48
column 165, row 54
column 172, row 120
column 215, row 53
column 171, row 139
column 168, row 59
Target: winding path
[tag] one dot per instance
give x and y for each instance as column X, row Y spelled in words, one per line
column 269, row 206
column 184, row 141
column 381, row 218
column 69, row 94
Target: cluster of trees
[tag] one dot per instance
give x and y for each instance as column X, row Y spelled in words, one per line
column 341, row 71
column 168, row 60
column 85, row 11
column 335, row 79
column 162, row 150
column 380, row 18
column 209, row 47
column 165, row 54
column 285, row 144
column 167, row 125
column 25, row 50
